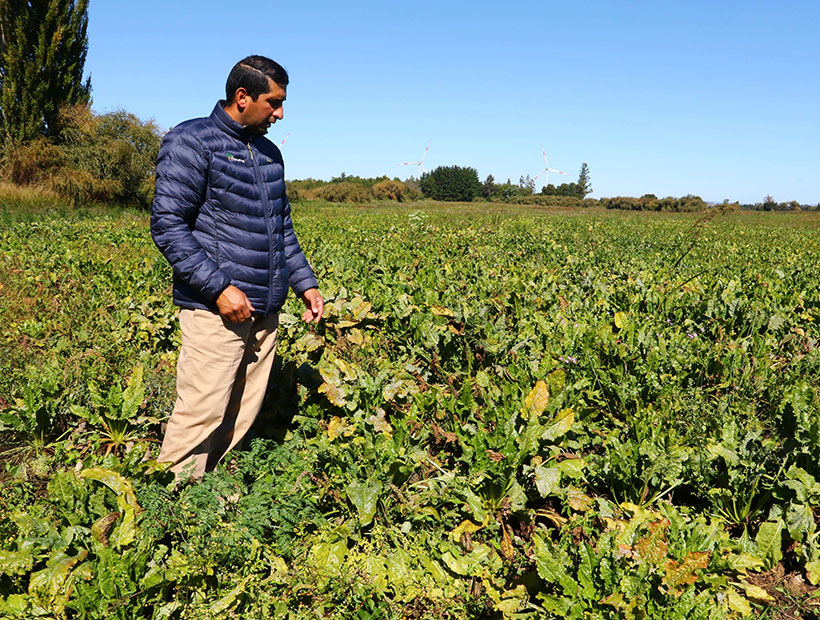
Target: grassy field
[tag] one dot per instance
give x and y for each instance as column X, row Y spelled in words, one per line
column 507, row 412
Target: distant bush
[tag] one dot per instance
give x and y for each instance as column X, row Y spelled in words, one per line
column 343, row 192
column 650, row 202
column 106, row 158
column 392, row 190
column 546, row 201
column 293, row 192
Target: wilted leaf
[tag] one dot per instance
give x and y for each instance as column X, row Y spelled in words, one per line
column 379, row 423
column 356, row 337
column 101, row 526
column 465, row 527
column 678, row 575
column 653, row 547
column 309, row 342
column 536, row 401
column 441, row 311
column 126, row 501
column 578, row 500
column 334, row 393
column 364, row 496
column 338, row 427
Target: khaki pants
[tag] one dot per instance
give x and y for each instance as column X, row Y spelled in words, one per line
column 222, row 375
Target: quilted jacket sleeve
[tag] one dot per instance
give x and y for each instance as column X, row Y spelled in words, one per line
column 300, row 273
column 182, row 176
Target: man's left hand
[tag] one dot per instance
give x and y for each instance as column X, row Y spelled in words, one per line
column 315, row 306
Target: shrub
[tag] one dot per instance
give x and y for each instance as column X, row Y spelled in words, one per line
column 392, row 190
column 106, row 158
column 546, row 200
column 33, row 163
column 343, row 192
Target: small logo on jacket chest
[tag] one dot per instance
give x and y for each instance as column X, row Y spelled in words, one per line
column 232, row 157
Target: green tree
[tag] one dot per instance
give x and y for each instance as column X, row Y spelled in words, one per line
column 43, row 44
column 489, row 187
column 584, row 185
column 453, row 183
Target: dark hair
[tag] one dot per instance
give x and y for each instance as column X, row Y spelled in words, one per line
column 252, row 74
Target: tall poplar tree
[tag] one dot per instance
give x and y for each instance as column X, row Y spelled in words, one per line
column 43, row 44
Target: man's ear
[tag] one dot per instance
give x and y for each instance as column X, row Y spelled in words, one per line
column 240, row 98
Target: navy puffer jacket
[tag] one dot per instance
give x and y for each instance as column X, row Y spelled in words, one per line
column 220, row 216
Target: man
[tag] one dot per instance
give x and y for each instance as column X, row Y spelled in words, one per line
column 222, row 219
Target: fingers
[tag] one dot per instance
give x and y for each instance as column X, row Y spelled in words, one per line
column 234, row 305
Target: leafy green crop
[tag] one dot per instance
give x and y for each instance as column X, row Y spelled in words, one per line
column 503, row 414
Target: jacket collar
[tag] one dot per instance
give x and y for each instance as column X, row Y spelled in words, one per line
column 228, row 125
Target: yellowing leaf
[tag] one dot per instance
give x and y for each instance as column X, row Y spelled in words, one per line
column 621, row 320
column 678, row 575
column 756, row 592
column 578, row 500
column 441, row 311
column 465, row 527
column 334, row 394
column 653, row 548
column 309, row 342
column 356, row 336
column 328, row 557
column 738, row 603
column 536, row 401
column 813, row 572
column 379, row 423
column 745, row 561
column 126, row 501
column 338, row 427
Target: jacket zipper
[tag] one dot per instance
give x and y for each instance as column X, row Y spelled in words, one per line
column 262, row 193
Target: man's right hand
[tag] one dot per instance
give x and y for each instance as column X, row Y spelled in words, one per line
column 234, row 305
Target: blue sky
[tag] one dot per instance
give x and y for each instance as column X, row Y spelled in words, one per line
column 718, row 99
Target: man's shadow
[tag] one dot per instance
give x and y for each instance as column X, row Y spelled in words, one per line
column 282, row 401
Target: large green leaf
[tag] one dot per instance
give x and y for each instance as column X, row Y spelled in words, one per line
column 769, row 540
column 364, row 496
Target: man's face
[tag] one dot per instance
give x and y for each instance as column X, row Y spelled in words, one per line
column 268, row 107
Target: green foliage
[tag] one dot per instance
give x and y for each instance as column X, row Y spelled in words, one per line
column 584, row 185
column 649, row 202
column 43, row 46
column 451, row 183
column 505, row 413
column 106, row 158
